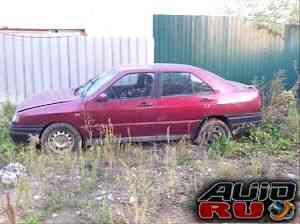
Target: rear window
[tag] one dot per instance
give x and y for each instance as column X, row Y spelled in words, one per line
column 182, row 83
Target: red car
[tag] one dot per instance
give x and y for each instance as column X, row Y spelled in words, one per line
column 141, row 103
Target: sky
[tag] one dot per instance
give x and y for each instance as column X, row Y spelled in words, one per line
column 100, row 17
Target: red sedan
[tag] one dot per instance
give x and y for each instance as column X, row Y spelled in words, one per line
column 141, row 103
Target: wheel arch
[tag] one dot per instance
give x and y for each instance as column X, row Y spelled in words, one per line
column 203, row 121
column 61, row 122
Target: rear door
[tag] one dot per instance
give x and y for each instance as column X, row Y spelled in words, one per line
column 184, row 100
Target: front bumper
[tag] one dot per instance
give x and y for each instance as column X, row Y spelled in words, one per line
column 20, row 134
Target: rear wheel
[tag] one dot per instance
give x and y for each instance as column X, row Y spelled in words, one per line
column 212, row 130
column 59, row 137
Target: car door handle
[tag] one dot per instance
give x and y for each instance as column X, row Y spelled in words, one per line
column 145, row 104
column 206, row 100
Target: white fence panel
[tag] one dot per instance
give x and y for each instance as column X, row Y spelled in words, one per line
column 30, row 65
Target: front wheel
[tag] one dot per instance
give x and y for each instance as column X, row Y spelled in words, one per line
column 59, row 137
column 212, row 130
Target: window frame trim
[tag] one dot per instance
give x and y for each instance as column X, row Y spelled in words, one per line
column 153, row 91
column 160, row 87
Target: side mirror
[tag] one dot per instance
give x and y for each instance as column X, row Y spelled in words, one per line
column 102, row 98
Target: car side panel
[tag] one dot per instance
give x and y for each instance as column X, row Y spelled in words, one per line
column 35, row 120
column 127, row 118
column 134, row 117
column 180, row 115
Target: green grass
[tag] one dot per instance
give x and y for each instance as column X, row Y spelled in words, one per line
column 6, row 114
column 31, row 219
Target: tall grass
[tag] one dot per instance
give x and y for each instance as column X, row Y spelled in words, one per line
column 6, row 146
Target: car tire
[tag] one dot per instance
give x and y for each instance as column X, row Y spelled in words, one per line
column 211, row 130
column 59, row 137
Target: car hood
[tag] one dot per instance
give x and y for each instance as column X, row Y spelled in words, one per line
column 48, row 98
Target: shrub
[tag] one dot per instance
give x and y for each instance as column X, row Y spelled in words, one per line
column 280, row 128
column 105, row 213
column 277, row 113
column 270, row 89
column 6, row 114
column 222, row 147
column 31, row 219
column 270, row 138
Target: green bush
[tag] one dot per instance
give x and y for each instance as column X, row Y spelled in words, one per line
column 31, row 219
column 280, row 129
column 222, row 147
column 6, row 113
column 269, row 138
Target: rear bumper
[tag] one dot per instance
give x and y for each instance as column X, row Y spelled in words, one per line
column 251, row 118
column 20, row 134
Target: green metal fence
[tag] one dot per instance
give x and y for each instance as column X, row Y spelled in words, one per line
column 226, row 46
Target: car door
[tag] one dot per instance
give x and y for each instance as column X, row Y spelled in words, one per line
column 184, row 100
column 130, row 108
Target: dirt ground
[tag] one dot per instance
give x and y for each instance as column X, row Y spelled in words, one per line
column 129, row 184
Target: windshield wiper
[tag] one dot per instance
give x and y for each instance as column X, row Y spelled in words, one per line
column 76, row 90
column 87, row 86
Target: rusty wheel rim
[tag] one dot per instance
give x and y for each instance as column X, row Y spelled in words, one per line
column 60, row 140
column 212, row 134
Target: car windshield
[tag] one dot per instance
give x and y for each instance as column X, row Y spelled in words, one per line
column 91, row 86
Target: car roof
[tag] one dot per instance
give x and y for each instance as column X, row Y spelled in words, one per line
column 212, row 79
column 155, row 67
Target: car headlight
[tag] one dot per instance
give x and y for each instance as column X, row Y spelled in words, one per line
column 16, row 118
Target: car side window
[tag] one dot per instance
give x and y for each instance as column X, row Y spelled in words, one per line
column 182, row 83
column 199, row 86
column 132, row 85
column 175, row 83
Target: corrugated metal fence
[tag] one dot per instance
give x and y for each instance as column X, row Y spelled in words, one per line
column 226, row 46
column 291, row 54
column 29, row 65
